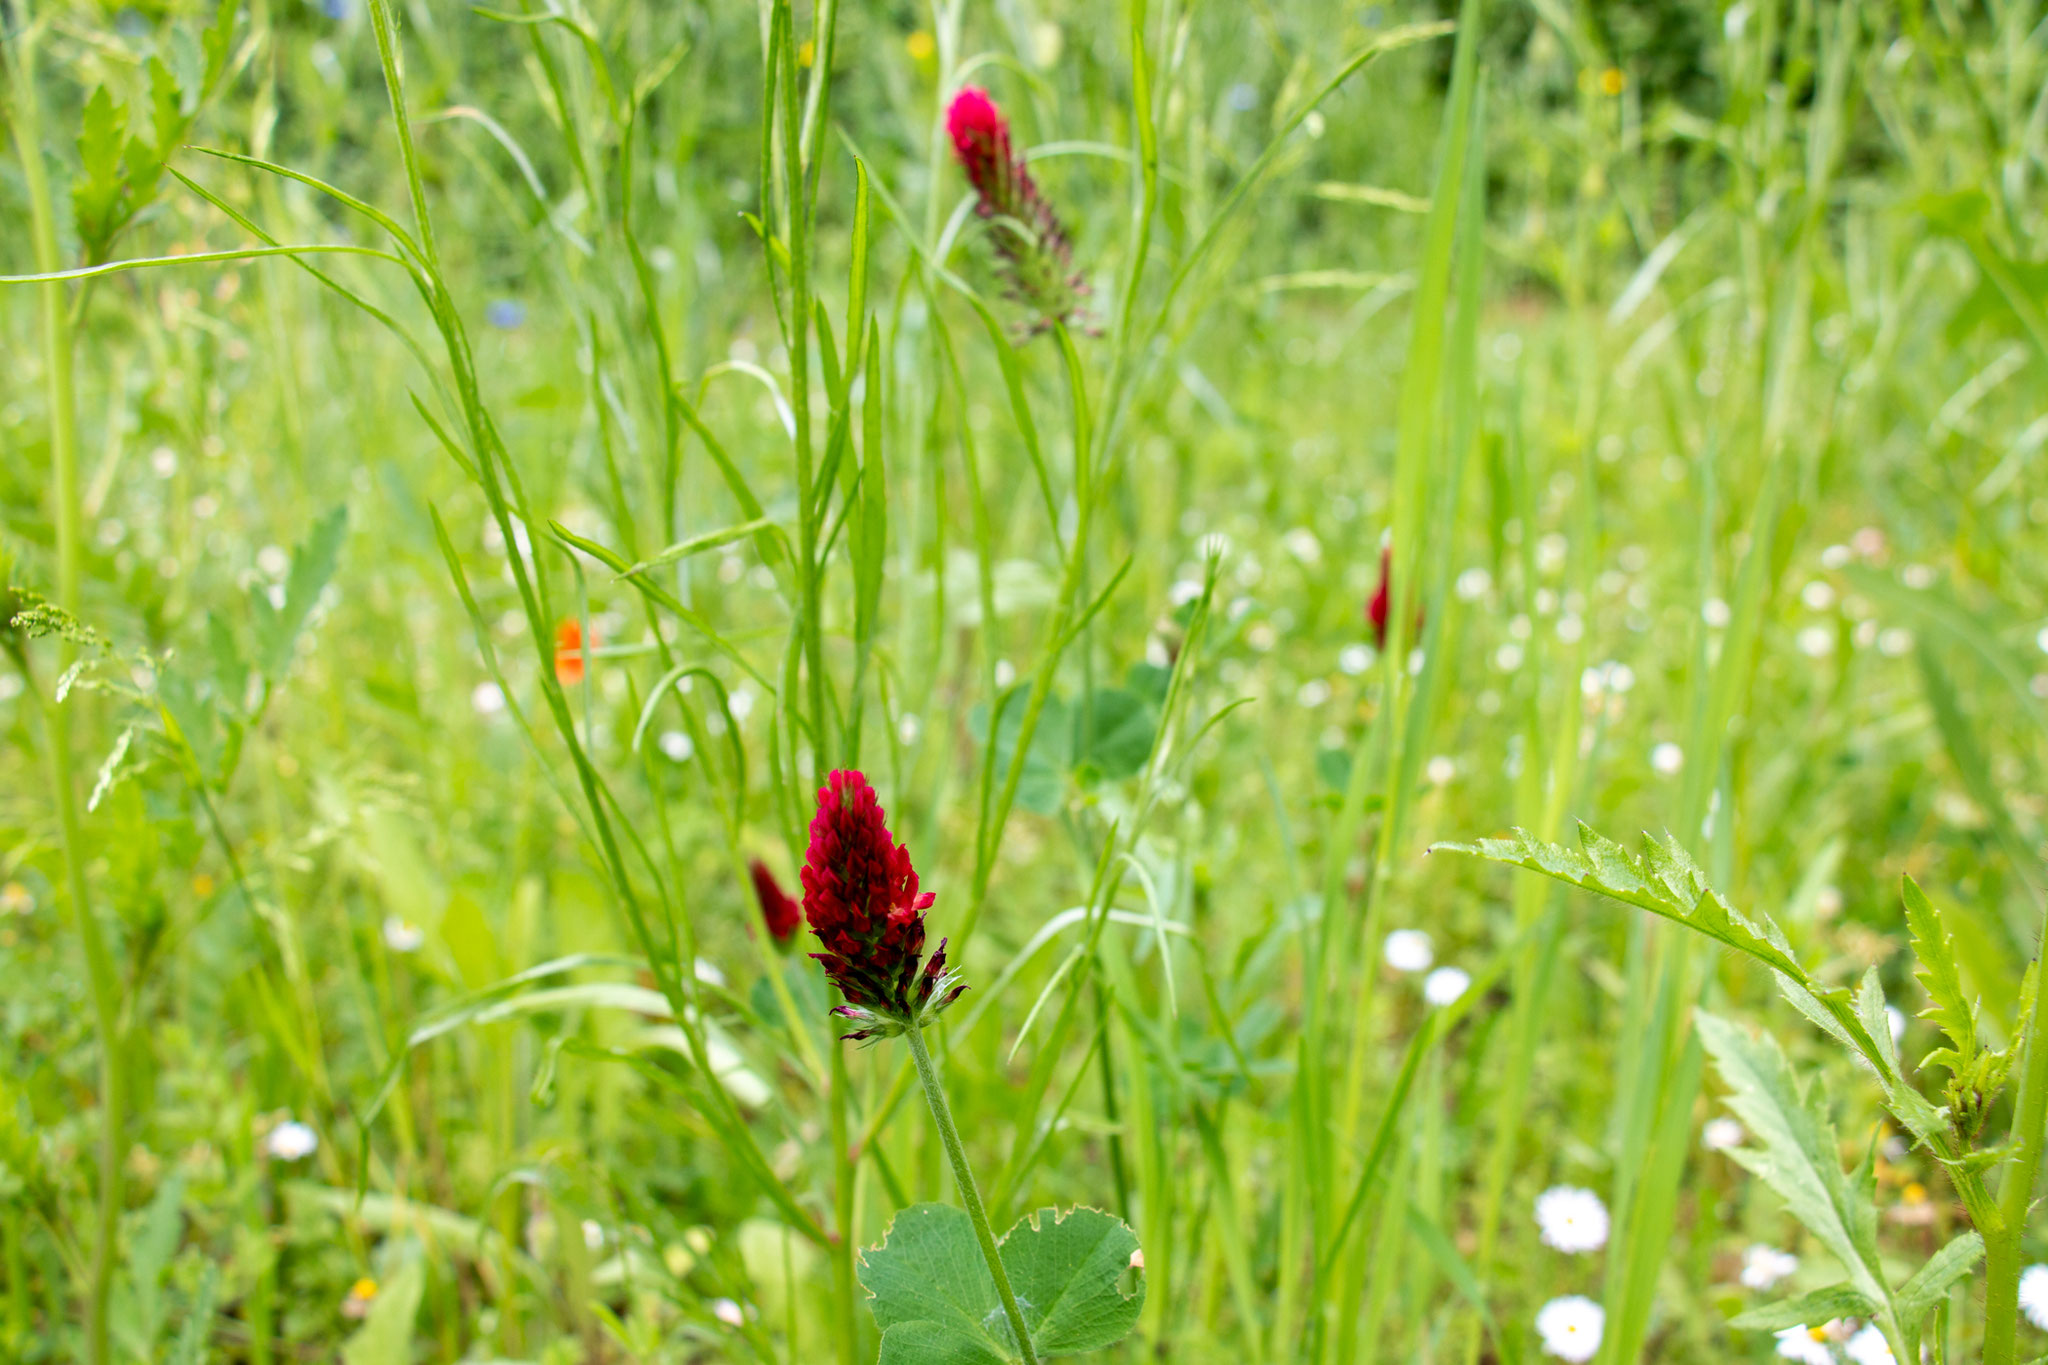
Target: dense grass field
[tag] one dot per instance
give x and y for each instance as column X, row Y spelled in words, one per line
column 469, row 476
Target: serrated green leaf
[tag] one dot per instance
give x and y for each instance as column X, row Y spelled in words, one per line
column 1797, row 1149
column 933, row 1297
column 1934, row 948
column 102, row 133
column 1663, row 880
column 1930, row 1284
column 1836, row 1301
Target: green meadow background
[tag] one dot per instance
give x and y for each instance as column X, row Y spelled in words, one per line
column 1686, row 357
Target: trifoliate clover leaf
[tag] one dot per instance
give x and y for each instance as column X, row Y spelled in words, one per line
column 936, row 1303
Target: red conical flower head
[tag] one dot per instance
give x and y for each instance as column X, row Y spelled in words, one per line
column 1382, row 599
column 1036, row 258
column 778, row 910
column 861, row 900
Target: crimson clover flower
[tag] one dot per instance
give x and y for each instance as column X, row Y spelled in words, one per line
column 1382, row 601
column 779, row 911
column 1037, row 259
column 861, row 900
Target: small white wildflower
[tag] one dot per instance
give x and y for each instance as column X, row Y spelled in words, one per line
column 1816, row 642
column 1818, row 595
column 1828, row 903
column 1262, row 636
column 1408, row 950
column 164, row 461
column 1475, row 583
column 593, row 1233
column 1571, row 628
column 1508, row 657
column 401, row 935
column 908, row 730
column 1716, row 613
column 676, row 746
column 1807, row 1345
column 1917, row 576
column 273, row 560
column 1763, row 1266
column 10, row 686
column 1313, row 693
column 487, row 699
column 1446, row 985
column 1620, row 677
column 1571, row 1219
column 1519, row 627
column 1215, row 545
column 1667, row 758
column 2034, row 1295
column 728, row 1312
column 1868, row 1347
column 1550, row 552
column 1441, row 770
column 1355, row 659
column 2041, row 640
column 741, row 702
column 1895, row 642
column 1184, row 591
column 1835, row 557
column 292, row 1141
column 1720, row 1133
column 1303, row 545
column 1868, row 542
column 1571, row 1327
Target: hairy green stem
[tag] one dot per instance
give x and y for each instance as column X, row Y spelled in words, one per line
column 2002, row 1245
column 942, row 1115
column 62, row 399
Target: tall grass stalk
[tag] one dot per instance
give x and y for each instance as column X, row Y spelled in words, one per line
column 60, row 396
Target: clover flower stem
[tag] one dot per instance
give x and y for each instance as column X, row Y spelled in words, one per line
column 103, row 978
column 942, row 1115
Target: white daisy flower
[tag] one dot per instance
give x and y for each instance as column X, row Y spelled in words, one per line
column 1570, row 1327
column 401, row 935
column 1571, row 1219
column 292, row 1141
column 1446, row 985
column 1807, row 1345
column 1667, row 758
column 2034, row 1295
column 1720, row 1133
column 1868, row 1347
column 1408, row 950
column 1763, row 1266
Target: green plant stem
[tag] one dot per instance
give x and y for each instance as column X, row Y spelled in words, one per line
column 942, row 1115
column 2002, row 1245
column 62, row 398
